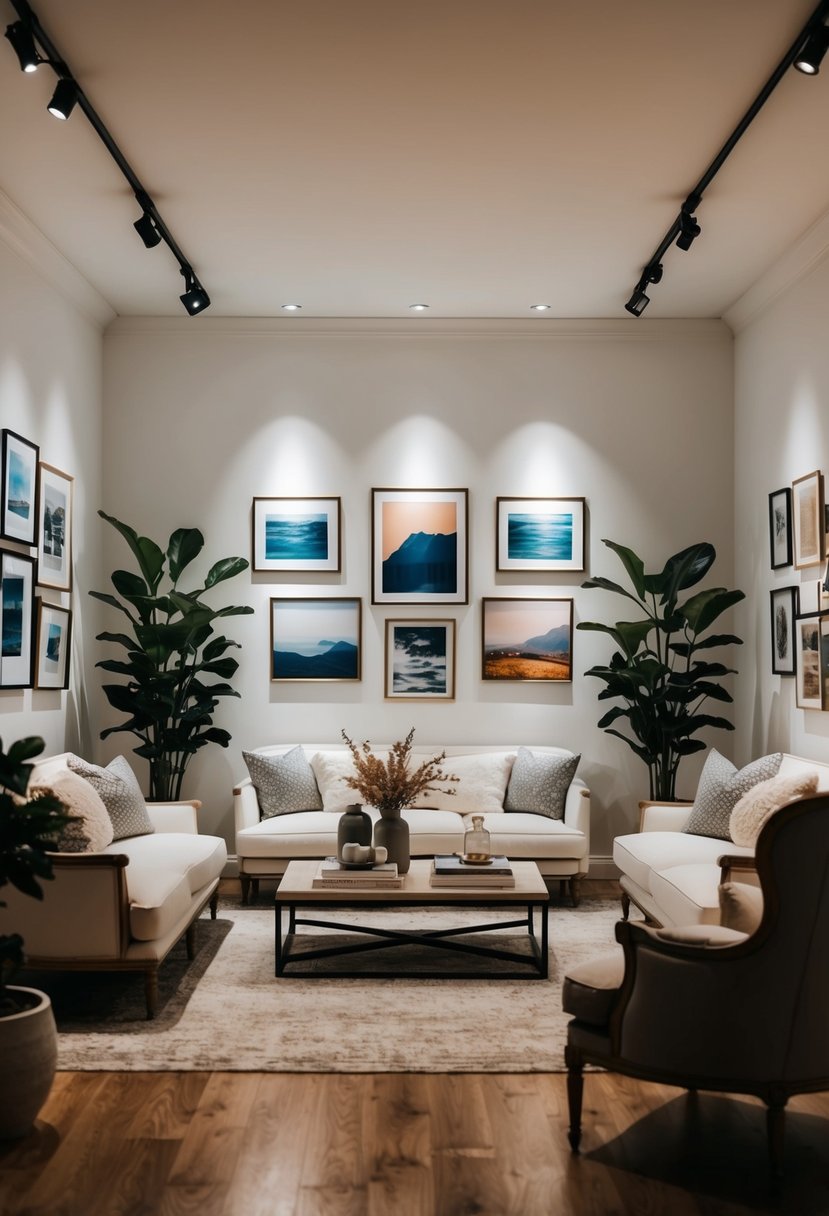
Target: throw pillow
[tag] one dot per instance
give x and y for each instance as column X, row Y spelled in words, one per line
column 121, row 794
column 331, row 769
column 284, row 784
column 90, row 830
column 720, row 787
column 760, row 802
column 539, row 783
column 481, row 786
column 741, row 906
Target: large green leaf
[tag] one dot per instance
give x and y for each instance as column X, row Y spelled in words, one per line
column 685, row 569
column 632, row 563
column 146, row 552
column 222, row 570
column 703, row 608
column 606, row 584
column 185, row 545
column 112, row 602
column 686, row 649
column 121, row 639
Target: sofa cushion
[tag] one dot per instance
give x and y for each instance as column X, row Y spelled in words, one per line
column 640, row 854
column 481, row 785
column 523, row 834
column 198, row 859
column 760, row 802
column 305, row 834
column 284, row 784
column 121, row 794
column 158, row 901
column 331, row 770
column 741, row 906
column 539, row 783
column 590, row 988
column 720, row 787
column 90, row 829
column 688, row 895
column 700, row 935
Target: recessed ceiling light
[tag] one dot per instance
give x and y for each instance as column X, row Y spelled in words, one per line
column 418, row 307
column 540, row 307
column 291, row 307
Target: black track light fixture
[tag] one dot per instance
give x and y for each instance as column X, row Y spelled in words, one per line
column 810, row 55
column 64, row 98
column 195, row 299
column 146, row 226
column 653, row 272
column 21, row 38
column 689, row 230
column 639, row 301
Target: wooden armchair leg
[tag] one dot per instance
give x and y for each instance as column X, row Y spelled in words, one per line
column 190, row 940
column 625, row 905
column 245, row 881
column 575, row 1092
column 575, row 889
column 775, row 1125
column 254, row 882
column 214, row 904
column 151, row 989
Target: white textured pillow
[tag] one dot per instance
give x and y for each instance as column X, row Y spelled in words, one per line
column 481, row 785
column 762, row 800
column 331, row 770
column 90, row 830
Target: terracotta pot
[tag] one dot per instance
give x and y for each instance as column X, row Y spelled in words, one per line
column 28, row 1058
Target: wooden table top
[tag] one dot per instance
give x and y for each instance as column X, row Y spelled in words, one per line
column 296, row 887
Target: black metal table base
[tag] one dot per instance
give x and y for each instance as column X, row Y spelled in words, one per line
column 530, row 964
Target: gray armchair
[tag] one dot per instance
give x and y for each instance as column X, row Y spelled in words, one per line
column 718, row 1009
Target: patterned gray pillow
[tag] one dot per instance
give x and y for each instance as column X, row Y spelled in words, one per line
column 118, row 786
column 540, row 783
column 720, row 788
column 284, row 784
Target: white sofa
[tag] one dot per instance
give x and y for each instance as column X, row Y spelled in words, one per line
column 124, row 908
column 561, row 847
column 672, row 876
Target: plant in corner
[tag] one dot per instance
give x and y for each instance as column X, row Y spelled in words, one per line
column 28, row 1039
column 661, row 670
column 176, row 667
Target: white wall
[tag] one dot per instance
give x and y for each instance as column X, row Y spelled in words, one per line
column 782, row 433
column 50, row 392
column 201, row 415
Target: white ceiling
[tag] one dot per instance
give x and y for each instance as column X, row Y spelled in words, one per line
column 479, row 156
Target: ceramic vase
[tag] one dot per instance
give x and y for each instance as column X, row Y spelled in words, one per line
column 354, row 828
column 391, row 831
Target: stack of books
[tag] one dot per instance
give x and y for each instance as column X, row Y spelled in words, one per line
column 333, row 874
column 449, row 871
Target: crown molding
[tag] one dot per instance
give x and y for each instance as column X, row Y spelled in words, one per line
column 799, row 260
column 22, row 237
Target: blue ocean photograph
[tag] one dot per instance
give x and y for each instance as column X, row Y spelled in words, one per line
column 534, row 537
column 19, row 496
column 543, row 534
column 11, row 645
column 296, row 537
column 419, row 660
column 315, row 639
column 53, row 641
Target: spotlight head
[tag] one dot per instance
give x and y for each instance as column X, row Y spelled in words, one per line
column 689, row 230
column 22, row 40
column 638, row 302
column 146, row 229
column 653, row 272
column 808, row 58
column 195, row 298
column 64, row 98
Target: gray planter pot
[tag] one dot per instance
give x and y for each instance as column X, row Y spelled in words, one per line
column 28, row 1059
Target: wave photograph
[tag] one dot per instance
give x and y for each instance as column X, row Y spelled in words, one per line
column 419, row 661
column 534, row 537
column 296, row 537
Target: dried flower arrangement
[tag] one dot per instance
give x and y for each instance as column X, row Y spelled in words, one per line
column 391, row 785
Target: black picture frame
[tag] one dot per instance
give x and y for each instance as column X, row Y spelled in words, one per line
column 18, row 575
column 784, row 603
column 780, row 528
column 18, row 478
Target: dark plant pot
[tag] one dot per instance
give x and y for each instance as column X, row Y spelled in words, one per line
column 354, row 827
column 392, row 833
column 28, row 1058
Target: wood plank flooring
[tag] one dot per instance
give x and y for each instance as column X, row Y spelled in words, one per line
column 254, row 1144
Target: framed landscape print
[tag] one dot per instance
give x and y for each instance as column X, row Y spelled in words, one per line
column 18, row 519
column 316, row 639
column 780, row 527
column 296, row 534
column 54, row 513
column 808, row 523
column 784, row 609
column 527, row 639
column 539, row 534
column 17, row 582
column 420, row 660
column 53, row 636
column 809, row 684
column 419, row 546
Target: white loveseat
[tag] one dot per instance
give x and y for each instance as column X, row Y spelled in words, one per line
column 672, row 876
column 125, row 907
column 561, row 847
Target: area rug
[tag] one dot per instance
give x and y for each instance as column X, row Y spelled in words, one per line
column 225, row 1010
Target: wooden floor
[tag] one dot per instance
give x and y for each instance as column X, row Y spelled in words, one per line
column 254, row 1144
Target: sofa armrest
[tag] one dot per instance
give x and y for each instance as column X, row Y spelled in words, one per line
column 175, row 816
column 663, row 816
column 245, row 805
column 577, row 808
column 734, row 868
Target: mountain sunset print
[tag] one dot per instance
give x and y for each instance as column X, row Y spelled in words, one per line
column 527, row 639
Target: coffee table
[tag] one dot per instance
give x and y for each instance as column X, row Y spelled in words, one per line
column 295, row 895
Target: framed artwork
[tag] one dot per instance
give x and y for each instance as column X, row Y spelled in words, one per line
column 296, row 534
column 824, row 661
column 527, row 639
column 18, row 518
column 316, row 639
column 17, row 583
column 784, row 609
column 420, row 660
column 539, row 534
column 809, row 686
column 54, row 513
column 808, row 521
column 780, row 528
column 53, row 636
column 419, row 546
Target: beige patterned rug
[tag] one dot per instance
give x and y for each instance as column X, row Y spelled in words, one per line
column 225, row 1010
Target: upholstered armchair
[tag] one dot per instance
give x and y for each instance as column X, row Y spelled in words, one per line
column 713, row 1007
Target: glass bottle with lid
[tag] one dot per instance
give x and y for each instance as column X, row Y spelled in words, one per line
column 477, row 846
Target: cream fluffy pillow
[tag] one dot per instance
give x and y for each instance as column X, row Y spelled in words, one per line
column 331, row 770
column 481, row 786
column 91, row 829
column 762, row 800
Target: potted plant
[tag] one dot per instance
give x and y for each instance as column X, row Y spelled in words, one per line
column 28, row 1038
column 175, row 667
column 661, row 670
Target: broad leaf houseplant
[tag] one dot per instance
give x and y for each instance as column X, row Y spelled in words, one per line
column 176, row 667
column 661, row 670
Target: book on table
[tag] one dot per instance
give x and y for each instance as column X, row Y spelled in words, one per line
column 332, row 874
column 451, row 863
column 449, row 871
